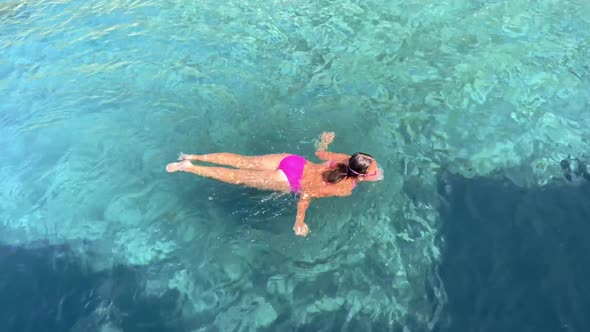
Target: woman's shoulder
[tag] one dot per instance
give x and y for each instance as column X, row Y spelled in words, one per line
column 337, row 157
column 332, row 163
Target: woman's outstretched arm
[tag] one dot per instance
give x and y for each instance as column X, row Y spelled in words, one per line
column 337, row 157
column 321, row 153
column 300, row 227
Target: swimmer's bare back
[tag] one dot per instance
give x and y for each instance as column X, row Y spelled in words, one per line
column 336, row 176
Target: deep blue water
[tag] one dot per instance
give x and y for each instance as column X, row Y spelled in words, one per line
column 515, row 259
column 49, row 289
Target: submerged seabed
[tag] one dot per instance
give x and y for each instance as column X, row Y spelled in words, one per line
column 99, row 95
column 522, row 267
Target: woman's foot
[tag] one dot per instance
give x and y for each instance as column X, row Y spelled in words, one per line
column 178, row 166
column 184, row 156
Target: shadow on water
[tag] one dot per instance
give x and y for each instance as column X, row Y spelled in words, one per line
column 514, row 259
column 47, row 289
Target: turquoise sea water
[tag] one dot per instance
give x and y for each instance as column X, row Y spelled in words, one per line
column 97, row 96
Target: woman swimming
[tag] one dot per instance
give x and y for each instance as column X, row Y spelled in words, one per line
column 289, row 173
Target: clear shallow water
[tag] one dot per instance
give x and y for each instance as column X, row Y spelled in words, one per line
column 98, row 96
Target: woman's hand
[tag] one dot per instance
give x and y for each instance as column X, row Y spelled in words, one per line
column 325, row 140
column 328, row 137
column 301, row 229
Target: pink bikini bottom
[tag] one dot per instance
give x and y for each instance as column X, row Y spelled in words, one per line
column 292, row 166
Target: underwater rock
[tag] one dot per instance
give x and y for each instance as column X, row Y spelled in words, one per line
column 124, row 209
column 326, row 304
column 265, row 315
column 140, row 247
column 99, row 320
column 574, row 170
column 252, row 313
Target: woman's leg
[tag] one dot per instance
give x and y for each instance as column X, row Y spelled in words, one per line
column 265, row 162
column 261, row 179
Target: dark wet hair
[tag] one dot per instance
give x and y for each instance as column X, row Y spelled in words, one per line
column 358, row 162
